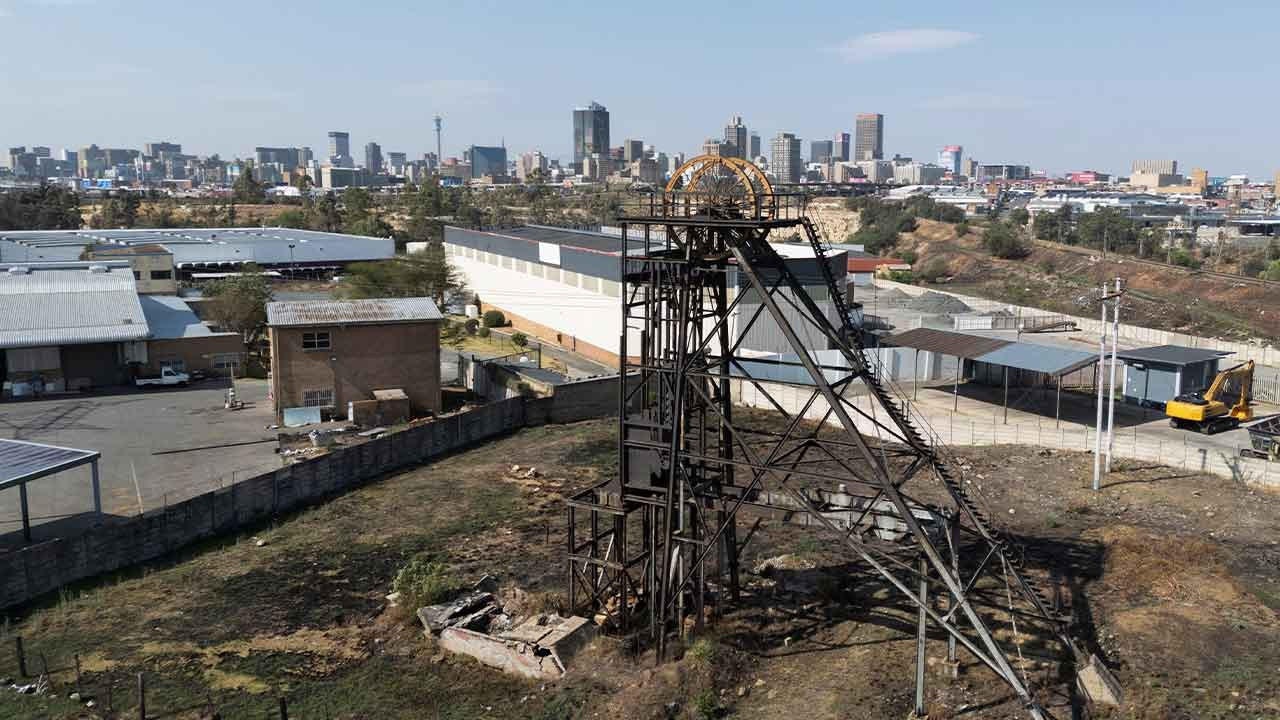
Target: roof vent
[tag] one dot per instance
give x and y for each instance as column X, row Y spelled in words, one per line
column 98, row 269
column 19, row 270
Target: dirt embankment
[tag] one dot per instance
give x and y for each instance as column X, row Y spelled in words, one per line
column 1053, row 279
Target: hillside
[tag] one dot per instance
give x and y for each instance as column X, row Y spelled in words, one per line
column 1173, row 299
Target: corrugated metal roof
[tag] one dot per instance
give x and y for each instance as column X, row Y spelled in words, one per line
column 585, row 239
column 1171, row 354
column 21, row 460
column 946, row 343
column 170, row 318
column 67, row 304
column 337, row 312
column 201, row 247
column 1038, row 358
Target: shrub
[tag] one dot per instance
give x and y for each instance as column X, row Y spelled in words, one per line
column 494, row 318
column 908, row 256
column 471, row 325
column 483, row 331
column 1002, row 241
column 1181, row 257
column 962, row 228
column 424, row 582
column 932, row 269
column 519, row 339
column 1272, row 272
column 1047, row 266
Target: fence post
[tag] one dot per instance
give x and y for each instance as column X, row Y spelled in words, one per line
column 142, row 698
column 22, row 655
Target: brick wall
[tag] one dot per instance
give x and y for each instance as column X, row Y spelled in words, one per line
column 361, row 359
column 197, row 353
column 38, row 569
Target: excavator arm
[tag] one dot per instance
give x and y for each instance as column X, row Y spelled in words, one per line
column 1226, row 403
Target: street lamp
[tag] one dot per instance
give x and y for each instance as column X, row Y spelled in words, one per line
column 290, row 261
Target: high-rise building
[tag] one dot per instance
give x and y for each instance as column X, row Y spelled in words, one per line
column 160, row 149
column 950, row 158
column 785, row 160
column 869, row 137
column 821, row 151
column 286, row 158
column 305, row 156
column 840, row 147
column 735, row 136
column 590, row 133
column 340, row 148
column 488, row 160
column 1156, row 167
column 529, row 163
column 755, row 145
column 632, row 150
column 373, row 158
column 713, row 146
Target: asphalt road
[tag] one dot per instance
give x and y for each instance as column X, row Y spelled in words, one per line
column 128, row 428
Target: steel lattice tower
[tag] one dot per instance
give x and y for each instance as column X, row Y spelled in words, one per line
column 662, row 539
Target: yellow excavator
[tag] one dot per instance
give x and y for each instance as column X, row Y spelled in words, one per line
column 1226, row 404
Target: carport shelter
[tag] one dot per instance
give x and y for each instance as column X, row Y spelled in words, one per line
column 990, row 358
column 21, row 462
column 1155, row 375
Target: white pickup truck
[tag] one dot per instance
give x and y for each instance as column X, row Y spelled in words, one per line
column 166, row 376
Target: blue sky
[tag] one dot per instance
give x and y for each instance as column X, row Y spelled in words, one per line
column 1059, row 86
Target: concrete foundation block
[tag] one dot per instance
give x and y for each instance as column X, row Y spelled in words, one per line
column 1098, row 684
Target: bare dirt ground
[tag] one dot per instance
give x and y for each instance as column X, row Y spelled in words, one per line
column 1174, row 580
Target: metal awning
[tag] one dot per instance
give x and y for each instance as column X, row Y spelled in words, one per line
column 1171, row 355
column 945, row 342
column 1046, row 359
column 22, row 462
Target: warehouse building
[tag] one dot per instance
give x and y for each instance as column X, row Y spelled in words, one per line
column 330, row 354
column 563, row 287
column 80, row 325
column 193, row 250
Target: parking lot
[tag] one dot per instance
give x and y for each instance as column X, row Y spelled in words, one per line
column 137, row 432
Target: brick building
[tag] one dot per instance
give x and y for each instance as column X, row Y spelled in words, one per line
column 329, row 353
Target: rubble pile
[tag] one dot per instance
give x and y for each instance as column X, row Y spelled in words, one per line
column 475, row 624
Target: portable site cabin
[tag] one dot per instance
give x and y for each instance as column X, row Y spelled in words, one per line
column 1153, row 376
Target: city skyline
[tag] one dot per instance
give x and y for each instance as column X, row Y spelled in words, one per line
column 1086, row 114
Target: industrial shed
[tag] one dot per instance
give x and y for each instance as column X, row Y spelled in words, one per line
column 992, row 361
column 1155, row 375
column 563, row 286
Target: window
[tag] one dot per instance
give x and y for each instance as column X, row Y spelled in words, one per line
column 315, row 341
column 317, row 398
column 137, row 275
column 177, row 365
column 161, row 274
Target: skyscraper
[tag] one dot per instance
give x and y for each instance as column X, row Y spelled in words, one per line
column 869, row 137
column 339, row 148
column 820, row 151
column 590, row 133
column 840, row 149
column 735, row 136
column 632, row 150
column 488, row 160
column 755, row 146
column 373, row 158
column 950, row 158
column 785, row 160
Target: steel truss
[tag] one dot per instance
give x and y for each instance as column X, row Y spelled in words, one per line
column 663, row 541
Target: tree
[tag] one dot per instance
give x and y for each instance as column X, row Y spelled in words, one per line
column 932, row 270
column 293, row 218
column 246, row 188
column 422, row 274
column 1002, row 241
column 1056, row 226
column 239, row 303
column 1019, row 217
column 47, row 207
column 302, row 181
column 519, row 339
column 1272, row 272
column 328, row 215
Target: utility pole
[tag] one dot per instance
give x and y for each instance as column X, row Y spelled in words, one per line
column 1102, row 357
column 1111, row 399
